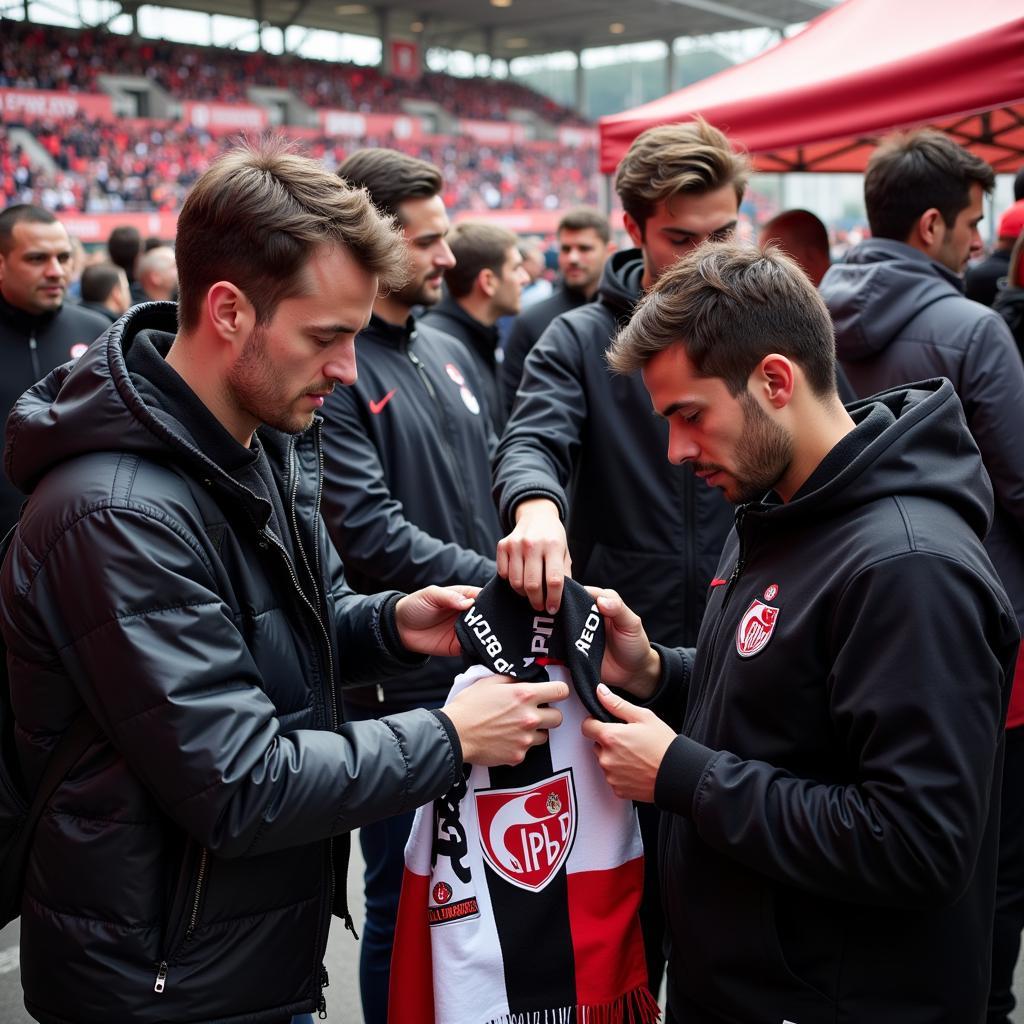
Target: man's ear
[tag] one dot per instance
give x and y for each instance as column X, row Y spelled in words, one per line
column 774, row 377
column 487, row 281
column 230, row 312
column 929, row 229
column 633, row 229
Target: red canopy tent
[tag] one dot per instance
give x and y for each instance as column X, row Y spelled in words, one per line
column 818, row 101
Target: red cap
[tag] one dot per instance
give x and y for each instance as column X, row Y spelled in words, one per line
column 1011, row 224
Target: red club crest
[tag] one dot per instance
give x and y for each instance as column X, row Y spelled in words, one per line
column 756, row 627
column 527, row 833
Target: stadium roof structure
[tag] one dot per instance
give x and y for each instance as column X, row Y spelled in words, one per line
column 819, row 100
column 506, row 29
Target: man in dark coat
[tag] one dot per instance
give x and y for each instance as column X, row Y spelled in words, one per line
column 171, row 581
column 900, row 315
column 38, row 329
column 578, row 476
column 584, row 244
column 407, row 479
column 828, row 757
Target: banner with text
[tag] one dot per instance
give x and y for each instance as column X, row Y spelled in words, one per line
column 30, row 104
column 225, row 117
column 353, row 125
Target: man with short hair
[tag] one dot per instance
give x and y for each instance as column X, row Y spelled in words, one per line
column 39, row 329
column 828, row 764
column 172, row 588
column 581, row 447
column 802, row 236
column 484, row 284
column 584, row 244
column 105, row 290
column 407, row 479
column 984, row 279
column 901, row 315
column 158, row 274
column 124, row 246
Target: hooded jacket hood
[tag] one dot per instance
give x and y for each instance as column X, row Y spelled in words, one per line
column 910, row 441
column 94, row 405
column 881, row 287
column 620, row 286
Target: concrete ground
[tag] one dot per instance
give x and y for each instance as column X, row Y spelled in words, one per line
column 342, row 966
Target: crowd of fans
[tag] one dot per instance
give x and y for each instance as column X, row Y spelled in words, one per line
column 43, row 57
column 149, row 165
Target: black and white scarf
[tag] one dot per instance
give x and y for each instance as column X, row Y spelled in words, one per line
column 522, row 885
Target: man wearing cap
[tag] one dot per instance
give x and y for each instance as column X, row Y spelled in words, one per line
column 981, row 282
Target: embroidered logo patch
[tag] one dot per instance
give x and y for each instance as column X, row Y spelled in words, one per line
column 442, row 893
column 470, row 400
column 756, row 627
column 527, row 834
column 455, row 373
column 79, row 350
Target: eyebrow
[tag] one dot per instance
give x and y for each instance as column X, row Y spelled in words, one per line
column 683, row 403
column 731, row 226
column 335, row 328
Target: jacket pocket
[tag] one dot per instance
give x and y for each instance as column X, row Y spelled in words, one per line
column 183, row 916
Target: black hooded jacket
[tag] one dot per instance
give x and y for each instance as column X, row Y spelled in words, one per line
column 900, row 317
column 407, row 481
column 586, row 438
column 30, row 347
column 830, row 851
column 185, row 870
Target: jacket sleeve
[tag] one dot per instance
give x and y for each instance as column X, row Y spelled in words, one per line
column 918, row 712
column 369, row 526
column 130, row 603
column 538, row 448
column 991, row 391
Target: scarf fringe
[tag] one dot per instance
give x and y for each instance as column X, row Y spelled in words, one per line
column 636, row 1007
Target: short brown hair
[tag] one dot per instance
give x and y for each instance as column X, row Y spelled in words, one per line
column 20, row 213
column 673, row 159
column 256, row 216
column 476, row 245
column 912, row 172
column 729, row 306
column 586, row 218
column 391, row 177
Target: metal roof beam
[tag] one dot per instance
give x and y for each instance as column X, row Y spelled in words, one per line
column 736, row 13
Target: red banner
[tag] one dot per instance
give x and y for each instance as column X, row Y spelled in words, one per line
column 96, row 227
column 32, row 104
column 498, row 132
column 521, row 222
column 224, row 117
column 405, row 59
column 578, row 138
column 361, row 126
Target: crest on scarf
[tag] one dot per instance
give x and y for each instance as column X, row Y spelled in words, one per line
column 526, row 834
column 756, row 626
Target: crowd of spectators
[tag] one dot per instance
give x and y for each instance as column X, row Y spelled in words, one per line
column 43, row 57
column 148, row 165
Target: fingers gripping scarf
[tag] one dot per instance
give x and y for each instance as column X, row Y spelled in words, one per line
column 522, row 885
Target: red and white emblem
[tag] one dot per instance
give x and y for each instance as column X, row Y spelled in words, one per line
column 756, row 627
column 527, row 833
column 455, row 373
column 442, row 893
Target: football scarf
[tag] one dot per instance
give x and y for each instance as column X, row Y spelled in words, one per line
column 522, row 885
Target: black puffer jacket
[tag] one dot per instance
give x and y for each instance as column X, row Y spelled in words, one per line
column 586, row 438
column 190, row 849
column 830, row 854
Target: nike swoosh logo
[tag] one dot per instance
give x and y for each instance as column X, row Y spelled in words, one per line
column 377, row 407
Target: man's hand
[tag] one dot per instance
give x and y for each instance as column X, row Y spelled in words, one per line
column 534, row 557
column 498, row 718
column 629, row 752
column 426, row 619
column 629, row 660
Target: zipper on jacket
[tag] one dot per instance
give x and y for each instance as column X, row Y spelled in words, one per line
column 321, row 1004
column 737, row 571
column 471, row 538
column 200, row 879
column 161, row 977
column 33, row 351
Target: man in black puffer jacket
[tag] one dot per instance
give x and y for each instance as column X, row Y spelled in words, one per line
column 172, row 577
